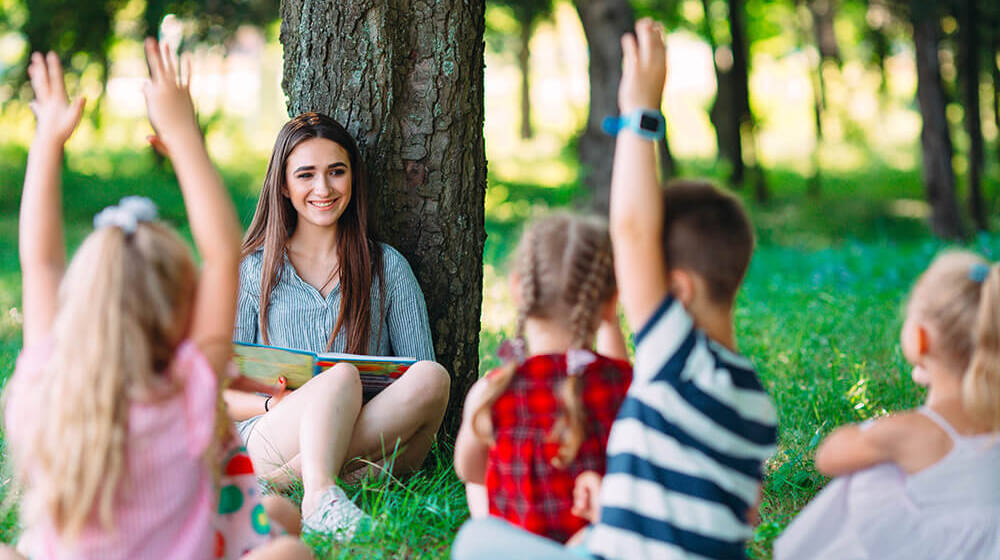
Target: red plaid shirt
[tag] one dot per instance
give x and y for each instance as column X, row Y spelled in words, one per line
column 524, row 488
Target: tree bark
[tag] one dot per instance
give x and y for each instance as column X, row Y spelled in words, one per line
column 969, row 53
column 406, row 79
column 604, row 23
column 524, row 64
column 935, row 138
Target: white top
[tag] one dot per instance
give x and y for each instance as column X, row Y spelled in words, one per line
column 950, row 509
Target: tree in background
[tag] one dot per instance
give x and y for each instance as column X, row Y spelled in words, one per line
column 818, row 15
column 971, row 52
column 406, row 79
column 604, row 23
column 527, row 13
column 65, row 26
column 214, row 20
column 935, row 137
column 72, row 28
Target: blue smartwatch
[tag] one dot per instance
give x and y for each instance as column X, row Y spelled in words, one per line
column 647, row 123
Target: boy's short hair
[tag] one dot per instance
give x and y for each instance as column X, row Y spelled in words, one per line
column 706, row 230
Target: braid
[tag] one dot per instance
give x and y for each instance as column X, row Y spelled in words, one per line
column 590, row 269
column 499, row 379
column 528, row 277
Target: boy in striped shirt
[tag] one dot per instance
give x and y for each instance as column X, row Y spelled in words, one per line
column 686, row 452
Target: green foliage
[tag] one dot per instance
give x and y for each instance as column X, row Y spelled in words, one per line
column 505, row 20
column 89, row 29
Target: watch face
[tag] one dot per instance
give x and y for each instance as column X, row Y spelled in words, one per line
column 649, row 123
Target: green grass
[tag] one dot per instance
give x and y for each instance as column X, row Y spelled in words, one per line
column 819, row 316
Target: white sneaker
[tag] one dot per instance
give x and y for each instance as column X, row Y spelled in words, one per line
column 336, row 514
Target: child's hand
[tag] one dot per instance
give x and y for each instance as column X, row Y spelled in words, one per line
column 168, row 96
column 57, row 117
column 644, row 67
column 585, row 492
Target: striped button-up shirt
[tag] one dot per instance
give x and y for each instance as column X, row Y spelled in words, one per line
column 300, row 317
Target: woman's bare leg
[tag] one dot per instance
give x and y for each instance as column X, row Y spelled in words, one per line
column 404, row 417
column 308, row 432
column 312, row 431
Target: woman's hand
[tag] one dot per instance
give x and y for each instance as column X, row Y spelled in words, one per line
column 57, row 117
column 168, row 95
column 644, row 67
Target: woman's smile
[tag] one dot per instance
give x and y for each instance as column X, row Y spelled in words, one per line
column 318, row 181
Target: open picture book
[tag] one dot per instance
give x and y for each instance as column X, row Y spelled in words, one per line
column 267, row 363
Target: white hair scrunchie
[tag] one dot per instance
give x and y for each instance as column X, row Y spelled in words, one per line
column 127, row 214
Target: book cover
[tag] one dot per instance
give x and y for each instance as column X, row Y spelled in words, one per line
column 267, row 363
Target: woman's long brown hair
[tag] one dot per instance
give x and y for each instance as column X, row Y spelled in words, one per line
column 359, row 256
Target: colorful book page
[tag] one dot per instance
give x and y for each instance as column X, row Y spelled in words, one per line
column 267, row 363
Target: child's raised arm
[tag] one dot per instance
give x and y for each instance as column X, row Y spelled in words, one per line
column 636, row 198
column 40, row 228
column 214, row 225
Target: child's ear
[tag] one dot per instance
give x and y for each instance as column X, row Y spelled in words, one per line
column 682, row 286
column 922, row 339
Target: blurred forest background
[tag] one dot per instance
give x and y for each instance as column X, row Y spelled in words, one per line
column 863, row 135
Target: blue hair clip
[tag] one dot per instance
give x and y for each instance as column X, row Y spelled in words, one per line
column 979, row 272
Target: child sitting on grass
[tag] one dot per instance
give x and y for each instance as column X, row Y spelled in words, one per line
column 112, row 414
column 686, row 451
column 921, row 484
column 532, row 425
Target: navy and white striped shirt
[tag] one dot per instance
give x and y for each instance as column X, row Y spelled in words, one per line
column 300, row 317
column 686, row 452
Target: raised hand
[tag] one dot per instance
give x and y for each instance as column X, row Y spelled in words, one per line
column 168, row 95
column 644, row 67
column 57, row 117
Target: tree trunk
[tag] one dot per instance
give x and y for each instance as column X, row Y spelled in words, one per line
column 823, row 14
column 741, row 83
column 723, row 114
column 406, row 79
column 604, row 23
column 524, row 63
column 935, row 139
column 969, row 53
column 814, row 182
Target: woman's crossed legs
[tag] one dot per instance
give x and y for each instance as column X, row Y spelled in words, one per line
column 315, row 430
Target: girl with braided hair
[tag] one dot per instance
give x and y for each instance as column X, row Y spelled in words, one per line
column 532, row 425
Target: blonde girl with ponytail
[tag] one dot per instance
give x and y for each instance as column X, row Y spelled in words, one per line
column 112, row 416
column 531, row 426
column 922, row 484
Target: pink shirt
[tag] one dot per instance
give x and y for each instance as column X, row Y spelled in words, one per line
column 165, row 502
